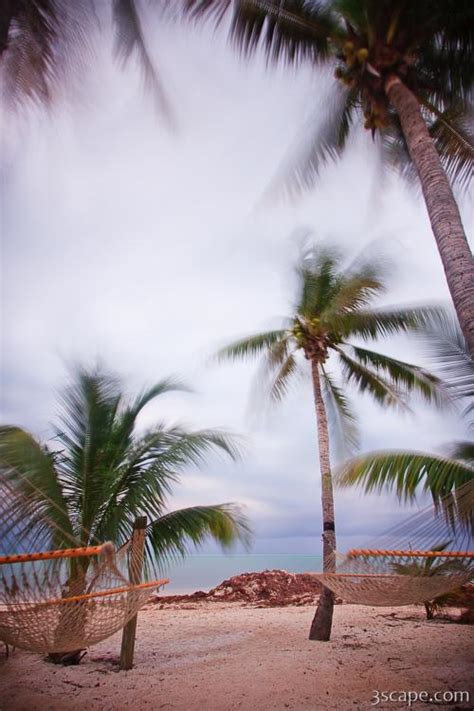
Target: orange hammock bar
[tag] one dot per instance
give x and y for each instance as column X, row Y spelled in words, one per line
column 99, row 593
column 362, row 575
column 354, row 575
column 355, row 552
column 51, row 555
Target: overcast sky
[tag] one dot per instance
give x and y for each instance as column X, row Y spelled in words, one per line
column 150, row 247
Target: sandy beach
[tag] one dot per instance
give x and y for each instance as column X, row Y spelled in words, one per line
column 225, row 656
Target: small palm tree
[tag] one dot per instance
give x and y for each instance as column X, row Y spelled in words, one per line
column 430, row 567
column 410, row 472
column 408, row 67
column 102, row 474
column 333, row 306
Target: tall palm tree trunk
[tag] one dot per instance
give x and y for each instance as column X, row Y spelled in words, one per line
column 443, row 212
column 322, row 621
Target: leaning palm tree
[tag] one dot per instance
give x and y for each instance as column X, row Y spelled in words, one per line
column 409, row 473
column 102, row 474
column 333, row 306
column 408, row 67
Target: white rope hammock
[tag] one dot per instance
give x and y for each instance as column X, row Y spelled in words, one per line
column 63, row 600
column 427, row 556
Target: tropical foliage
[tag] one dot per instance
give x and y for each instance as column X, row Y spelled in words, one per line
column 408, row 472
column 427, row 43
column 334, row 305
column 43, row 41
column 102, row 474
column 408, row 68
column 435, row 566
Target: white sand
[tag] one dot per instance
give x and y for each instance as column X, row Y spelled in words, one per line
column 216, row 656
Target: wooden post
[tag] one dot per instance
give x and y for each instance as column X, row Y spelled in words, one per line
column 135, row 571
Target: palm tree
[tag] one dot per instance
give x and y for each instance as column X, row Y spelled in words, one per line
column 435, row 566
column 333, row 306
column 102, row 474
column 408, row 66
column 409, row 472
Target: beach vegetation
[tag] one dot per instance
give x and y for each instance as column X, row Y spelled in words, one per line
column 332, row 314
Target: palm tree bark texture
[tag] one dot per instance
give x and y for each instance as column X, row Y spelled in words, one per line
column 443, row 212
column 322, row 621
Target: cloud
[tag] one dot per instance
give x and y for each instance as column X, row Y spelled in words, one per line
column 150, row 248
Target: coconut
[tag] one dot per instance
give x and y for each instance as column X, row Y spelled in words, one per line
column 363, row 54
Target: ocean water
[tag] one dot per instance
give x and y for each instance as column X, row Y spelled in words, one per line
column 203, row 572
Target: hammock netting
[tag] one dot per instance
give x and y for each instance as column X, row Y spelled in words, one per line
column 63, row 601
column 425, row 557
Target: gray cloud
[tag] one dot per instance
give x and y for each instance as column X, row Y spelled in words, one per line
column 150, row 248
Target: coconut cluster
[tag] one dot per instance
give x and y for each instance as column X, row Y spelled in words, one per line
column 312, row 339
column 366, row 68
column 354, row 59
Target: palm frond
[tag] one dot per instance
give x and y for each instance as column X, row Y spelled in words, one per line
column 354, row 292
column 448, row 352
column 30, row 470
column 167, row 385
column 318, row 277
column 384, row 322
column 251, row 346
column 171, row 536
column 322, row 141
column 89, row 414
column 40, row 40
column 432, row 566
column 342, row 420
column 395, row 153
column 367, row 380
column 406, row 473
column 454, row 20
column 463, row 451
column 153, row 465
column 453, row 135
column 288, row 30
column 130, row 39
column 277, row 354
column 282, row 380
column 410, row 377
column 192, row 447
column 446, row 65
column 214, row 9
column 293, row 31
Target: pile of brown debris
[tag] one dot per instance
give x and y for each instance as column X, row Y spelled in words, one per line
column 269, row 588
